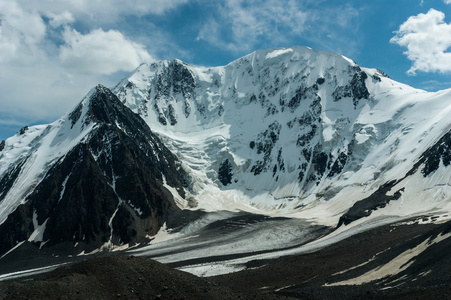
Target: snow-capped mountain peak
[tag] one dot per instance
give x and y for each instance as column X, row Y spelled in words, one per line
column 98, row 177
column 285, row 131
column 281, row 128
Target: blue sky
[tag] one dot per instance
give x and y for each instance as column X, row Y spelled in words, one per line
column 53, row 52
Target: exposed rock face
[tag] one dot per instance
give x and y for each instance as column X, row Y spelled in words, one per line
column 107, row 190
column 356, row 89
column 295, row 124
column 439, row 153
column 225, row 173
column 277, row 130
column 365, row 207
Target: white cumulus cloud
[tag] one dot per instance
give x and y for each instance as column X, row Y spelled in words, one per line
column 20, row 31
column 241, row 24
column 58, row 19
column 53, row 52
column 427, row 38
column 101, row 52
column 101, row 11
column 447, row 1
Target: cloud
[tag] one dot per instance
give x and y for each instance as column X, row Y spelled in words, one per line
column 56, row 20
column 50, row 57
column 102, row 11
column 427, row 38
column 241, row 26
column 101, row 52
column 447, row 1
column 20, row 32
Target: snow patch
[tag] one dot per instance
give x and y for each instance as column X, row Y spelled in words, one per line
column 393, row 267
column 36, row 271
column 38, row 233
column 277, row 53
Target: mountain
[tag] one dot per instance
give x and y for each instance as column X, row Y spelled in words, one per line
column 288, row 132
column 299, row 132
column 97, row 177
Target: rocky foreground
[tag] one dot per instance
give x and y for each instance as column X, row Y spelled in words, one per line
column 308, row 276
column 122, row 277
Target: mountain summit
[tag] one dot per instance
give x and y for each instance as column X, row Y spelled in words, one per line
column 297, row 131
column 286, row 131
column 97, row 177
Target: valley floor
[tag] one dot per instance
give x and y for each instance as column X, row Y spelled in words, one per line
column 416, row 258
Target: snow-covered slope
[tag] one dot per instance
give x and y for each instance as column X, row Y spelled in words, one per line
column 97, row 177
column 298, row 132
column 292, row 132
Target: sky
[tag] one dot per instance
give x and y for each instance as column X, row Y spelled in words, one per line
column 52, row 52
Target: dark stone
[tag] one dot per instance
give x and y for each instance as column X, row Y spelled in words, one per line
column 316, row 107
column 186, row 108
column 271, row 110
column 365, row 207
column 171, row 114
column 23, row 130
column 280, row 160
column 440, row 152
column 356, row 89
column 220, row 110
column 320, row 80
column 319, row 161
column 382, row 73
column 123, row 226
column 341, row 92
column 16, row 228
column 431, row 158
column 162, row 119
column 2, row 145
column 301, row 176
column 107, row 188
column 264, row 144
column 225, row 172
column 304, row 139
column 7, row 181
column 75, row 115
column 258, row 167
column 295, row 101
column 338, row 165
column 182, row 80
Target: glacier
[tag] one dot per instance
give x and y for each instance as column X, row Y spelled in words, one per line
column 307, row 132
column 281, row 152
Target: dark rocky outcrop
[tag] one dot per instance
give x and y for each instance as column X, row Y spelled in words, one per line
column 110, row 187
column 23, row 130
column 365, row 207
column 356, row 89
column 430, row 160
column 225, row 172
column 439, row 152
column 172, row 81
column 264, row 144
column 121, row 277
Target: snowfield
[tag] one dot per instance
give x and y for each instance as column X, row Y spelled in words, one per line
column 282, row 152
